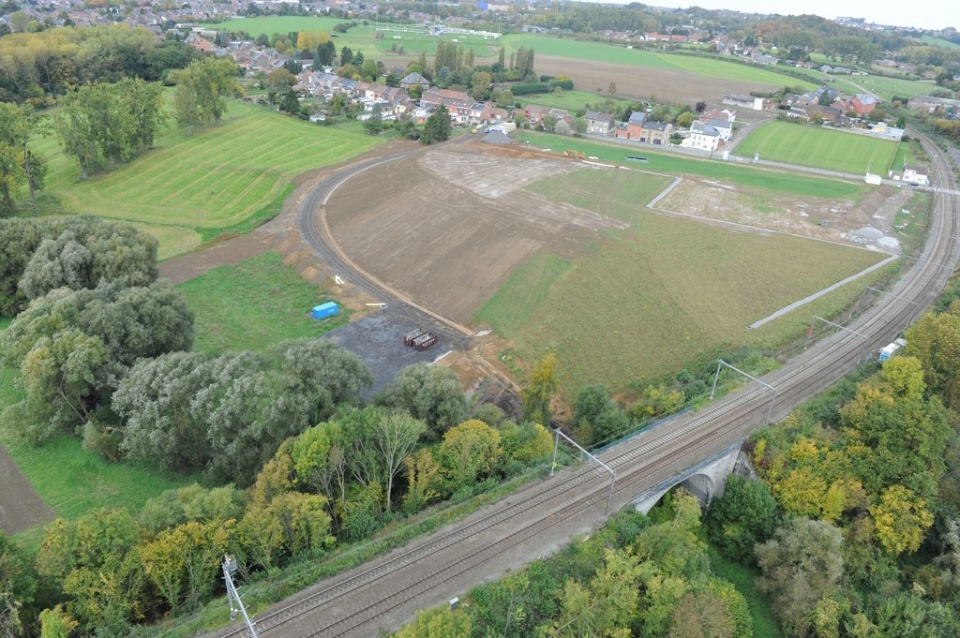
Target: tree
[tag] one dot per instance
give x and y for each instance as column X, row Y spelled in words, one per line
column 374, row 125
column 480, row 85
column 901, row 520
column 432, row 394
column 326, row 53
column 154, row 401
column 71, row 347
column 894, row 434
column 438, row 126
column 346, row 56
column 612, row 89
column 182, row 562
column 18, row 584
column 19, row 165
column 801, row 564
column 100, row 124
column 202, row 89
column 56, row 623
column 935, row 340
column 598, row 417
column 744, row 516
column 422, row 472
column 439, row 622
column 89, row 253
column 279, row 82
column 469, row 450
column 395, row 437
column 539, row 390
column 608, row 604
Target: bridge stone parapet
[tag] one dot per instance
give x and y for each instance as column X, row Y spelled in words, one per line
column 705, row 480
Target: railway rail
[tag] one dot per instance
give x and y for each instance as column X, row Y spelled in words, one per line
column 387, row 591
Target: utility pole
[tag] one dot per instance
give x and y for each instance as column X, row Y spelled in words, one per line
column 233, row 598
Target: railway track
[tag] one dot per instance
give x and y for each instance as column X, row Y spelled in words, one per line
column 387, row 591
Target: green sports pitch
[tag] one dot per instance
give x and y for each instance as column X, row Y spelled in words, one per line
column 819, row 148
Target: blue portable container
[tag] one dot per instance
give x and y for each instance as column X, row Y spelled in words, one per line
column 325, row 310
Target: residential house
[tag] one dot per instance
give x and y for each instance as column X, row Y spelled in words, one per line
column 723, row 127
column 534, row 114
column 599, row 123
column 463, row 109
column 745, row 101
column 635, row 125
column 414, row 79
column 656, row 133
column 825, row 113
column 702, row 137
column 717, row 114
column 862, row 104
column 914, row 174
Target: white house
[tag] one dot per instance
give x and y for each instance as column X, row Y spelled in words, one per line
column 702, row 137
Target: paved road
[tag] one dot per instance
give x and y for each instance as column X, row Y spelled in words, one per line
column 386, row 592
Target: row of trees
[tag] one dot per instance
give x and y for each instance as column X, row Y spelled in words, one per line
column 19, row 165
column 105, row 124
column 635, row 577
column 35, row 67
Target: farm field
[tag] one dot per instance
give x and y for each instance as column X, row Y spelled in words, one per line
column 820, row 148
column 253, row 305
column 656, row 295
column 600, row 52
column 189, row 189
column 664, row 162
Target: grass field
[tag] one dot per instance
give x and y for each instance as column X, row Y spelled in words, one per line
column 634, row 57
column 253, row 305
column 664, row 162
column 191, row 188
column 649, row 299
column 569, row 100
column 820, row 148
column 882, row 86
column 362, row 37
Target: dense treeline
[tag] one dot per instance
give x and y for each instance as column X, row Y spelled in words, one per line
column 38, row 66
column 635, row 577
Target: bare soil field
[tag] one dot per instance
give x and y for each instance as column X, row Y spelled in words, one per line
column 667, row 85
column 20, row 506
column 813, row 217
column 464, row 210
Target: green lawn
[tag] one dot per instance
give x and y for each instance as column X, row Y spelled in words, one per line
column 665, row 162
column 765, row 623
column 649, row 299
column 253, row 305
column 820, row 148
column 188, row 189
